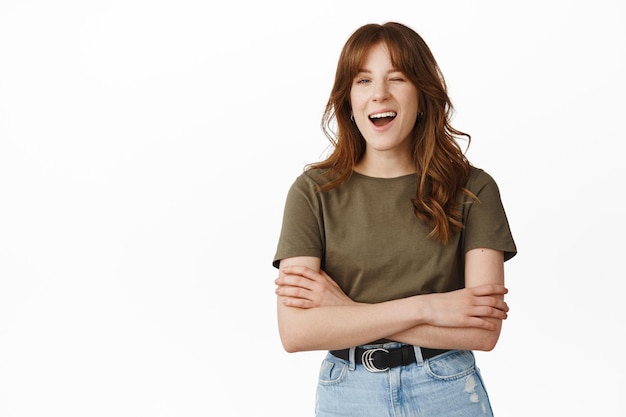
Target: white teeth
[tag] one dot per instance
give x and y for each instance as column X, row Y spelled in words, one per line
column 385, row 114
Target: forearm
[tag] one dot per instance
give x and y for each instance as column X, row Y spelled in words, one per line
column 315, row 314
column 441, row 320
column 435, row 337
column 335, row 322
column 337, row 327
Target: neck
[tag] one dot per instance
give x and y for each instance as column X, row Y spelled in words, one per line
column 385, row 167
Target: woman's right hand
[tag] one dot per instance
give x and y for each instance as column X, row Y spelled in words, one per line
column 304, row 287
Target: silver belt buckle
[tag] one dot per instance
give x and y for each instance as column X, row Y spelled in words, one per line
column 367, row 360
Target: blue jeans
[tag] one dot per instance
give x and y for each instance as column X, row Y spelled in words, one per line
column 447, row 385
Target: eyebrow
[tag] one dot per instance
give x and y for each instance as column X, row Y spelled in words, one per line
column 369, row 72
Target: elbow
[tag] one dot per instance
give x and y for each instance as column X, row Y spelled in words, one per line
column 489, row 339
column 289, row 348
column 291, row 338
column 488, row 344
column 293, row 330
column 291, row 344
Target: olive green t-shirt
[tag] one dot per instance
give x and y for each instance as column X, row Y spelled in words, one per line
column 371, row 243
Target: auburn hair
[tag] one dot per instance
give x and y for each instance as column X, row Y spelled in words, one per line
column 441, row 166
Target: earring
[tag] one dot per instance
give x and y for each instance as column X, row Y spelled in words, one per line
column 352, row 117
column 420, row 114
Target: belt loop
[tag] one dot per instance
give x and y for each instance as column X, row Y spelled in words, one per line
column 418, row 355
column 352, row 365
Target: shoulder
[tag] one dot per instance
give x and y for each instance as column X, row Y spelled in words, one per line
column 307, row 185
column 479, row 179
column 311, row 178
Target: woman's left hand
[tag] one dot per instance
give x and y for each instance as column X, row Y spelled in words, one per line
column 303, row 287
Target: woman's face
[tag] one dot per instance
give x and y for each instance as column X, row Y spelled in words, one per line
column 384, row 103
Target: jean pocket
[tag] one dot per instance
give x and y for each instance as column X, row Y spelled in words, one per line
column 451, row 365
column 332, row 371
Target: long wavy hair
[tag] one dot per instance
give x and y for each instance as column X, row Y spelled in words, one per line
column 441, row 166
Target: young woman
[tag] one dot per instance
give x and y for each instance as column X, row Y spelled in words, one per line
column 391, row 254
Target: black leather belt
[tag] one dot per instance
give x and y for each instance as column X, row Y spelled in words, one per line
column 380, row 359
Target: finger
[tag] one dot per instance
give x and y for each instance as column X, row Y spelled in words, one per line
column 498, row 303
column 489, row 289
column 486, row 311
column 297, row 270
column 296, row 302
column 481, row 323
column 293, row 292
column 294, row 280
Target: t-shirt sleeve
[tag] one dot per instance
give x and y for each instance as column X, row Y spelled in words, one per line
column 302, row 227
column 486, row 223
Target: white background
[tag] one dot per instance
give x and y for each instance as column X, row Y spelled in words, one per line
column 146, row 148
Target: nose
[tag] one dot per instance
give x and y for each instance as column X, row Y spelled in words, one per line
column 381, row 92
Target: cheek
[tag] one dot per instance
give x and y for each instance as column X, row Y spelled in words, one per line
column 357, row 101
column 361, row 122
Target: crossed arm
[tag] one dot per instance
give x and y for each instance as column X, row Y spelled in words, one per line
column 315, row 314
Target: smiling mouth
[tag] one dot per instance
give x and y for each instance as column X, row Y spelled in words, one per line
column 381, row 119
